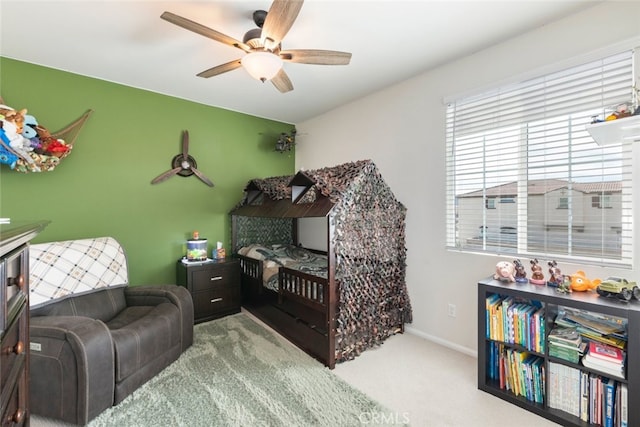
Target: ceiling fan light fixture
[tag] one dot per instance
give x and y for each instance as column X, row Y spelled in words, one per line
column 262, row 66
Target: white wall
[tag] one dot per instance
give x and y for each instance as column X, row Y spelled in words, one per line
column 402, row 129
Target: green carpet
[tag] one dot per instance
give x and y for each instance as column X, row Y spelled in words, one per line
column 237, row 373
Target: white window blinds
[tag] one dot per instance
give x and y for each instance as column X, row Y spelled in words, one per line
column 524, row 177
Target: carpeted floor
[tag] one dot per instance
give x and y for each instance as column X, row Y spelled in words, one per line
column 420, row 381
column 238, row 373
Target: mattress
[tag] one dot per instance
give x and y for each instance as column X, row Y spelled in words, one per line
column 294, row 257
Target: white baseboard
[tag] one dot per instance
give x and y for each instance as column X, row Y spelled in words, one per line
column 444, row 343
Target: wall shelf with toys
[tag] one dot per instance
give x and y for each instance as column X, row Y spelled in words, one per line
column 616, row 131
column 27, row 146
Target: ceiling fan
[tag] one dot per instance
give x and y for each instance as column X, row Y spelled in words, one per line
column 262, row 45
column 183, row 165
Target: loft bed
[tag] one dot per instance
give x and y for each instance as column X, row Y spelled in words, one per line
column 332, row 303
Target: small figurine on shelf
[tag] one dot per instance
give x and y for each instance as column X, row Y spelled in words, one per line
column 580, row 283
column 220, row 252
column 622, row 111
column 565, row 286
column 504, row 272
column 556, row 277
column 537, row 278
column 521, row 274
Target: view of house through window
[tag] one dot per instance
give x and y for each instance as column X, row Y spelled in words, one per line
column 525, row 177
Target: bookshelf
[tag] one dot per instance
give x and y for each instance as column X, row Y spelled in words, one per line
column 551, row 301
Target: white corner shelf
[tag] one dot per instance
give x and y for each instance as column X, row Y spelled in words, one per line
column 616, row 131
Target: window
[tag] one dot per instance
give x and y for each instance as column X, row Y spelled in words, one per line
column 563, row 203
column 527, row 144
column 601, row 202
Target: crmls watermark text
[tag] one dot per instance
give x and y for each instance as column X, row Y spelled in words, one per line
column 386, row 418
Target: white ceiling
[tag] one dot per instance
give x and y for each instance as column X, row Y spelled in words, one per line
column 126, row 42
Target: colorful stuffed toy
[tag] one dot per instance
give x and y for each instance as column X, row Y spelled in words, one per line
column 12, row 123
column 505, row 272
column 580, row 283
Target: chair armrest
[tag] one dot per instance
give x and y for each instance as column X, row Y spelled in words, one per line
column 71, row 366
column 156, row 294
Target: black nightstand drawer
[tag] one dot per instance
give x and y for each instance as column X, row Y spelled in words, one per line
column 213, row 278
column 214, row 287
column 208, row 303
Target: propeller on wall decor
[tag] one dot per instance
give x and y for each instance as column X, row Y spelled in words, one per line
column 264, row 55
column 183, row 165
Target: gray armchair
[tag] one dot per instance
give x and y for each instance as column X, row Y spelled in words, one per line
column 90, row 351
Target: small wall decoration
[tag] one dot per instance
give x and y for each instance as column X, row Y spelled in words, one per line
column 286, row 141
column 183, row 165
column 27, row 146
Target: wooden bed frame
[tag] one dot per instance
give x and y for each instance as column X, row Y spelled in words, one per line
column 367, row 230
column 303, row 310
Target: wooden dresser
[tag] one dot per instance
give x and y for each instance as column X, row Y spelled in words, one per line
column 14, row 320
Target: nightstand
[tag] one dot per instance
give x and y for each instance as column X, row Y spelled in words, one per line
column 214, row 287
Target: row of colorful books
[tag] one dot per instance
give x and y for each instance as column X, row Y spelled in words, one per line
column 592, row 398
column 515, row 321
column 519, row 372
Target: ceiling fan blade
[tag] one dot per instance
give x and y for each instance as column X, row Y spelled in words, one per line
column 314, row 56
column 185, row 144
column 202, row 177
column 281, row 16
column 166, row 175
column 229, row 66
column 204, row 31
column 281, row 81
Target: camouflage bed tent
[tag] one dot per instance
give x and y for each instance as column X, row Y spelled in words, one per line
column 366, row 246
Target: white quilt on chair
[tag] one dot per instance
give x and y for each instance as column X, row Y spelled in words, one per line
column 62, row 269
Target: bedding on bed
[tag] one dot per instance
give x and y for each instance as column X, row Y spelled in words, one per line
column 290, row 256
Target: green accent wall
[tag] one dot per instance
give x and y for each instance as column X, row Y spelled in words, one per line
column 103, row 188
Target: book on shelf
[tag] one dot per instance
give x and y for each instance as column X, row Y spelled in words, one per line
column 608, row 393
column 519, row 372
column 597, row 327
column 589, row 322
column 568, row 336
column 609, row 368
column 624, row 414
column 606, row 352
column 584, row 396
column 515, row 321
column 564, row 388
column 570, row 354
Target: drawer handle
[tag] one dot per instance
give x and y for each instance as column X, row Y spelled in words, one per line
column 17, row 417
column 16, row 281
column 17, row 349
column 213, row 279
column 216, row 300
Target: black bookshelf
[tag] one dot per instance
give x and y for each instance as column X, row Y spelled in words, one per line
column 551, row 299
